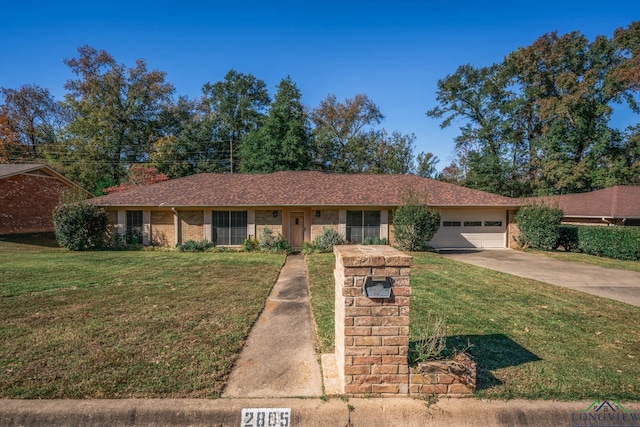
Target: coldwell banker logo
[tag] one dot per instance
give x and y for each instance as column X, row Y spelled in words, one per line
column 606, row 414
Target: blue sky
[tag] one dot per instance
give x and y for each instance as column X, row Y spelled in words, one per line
column 393, row 51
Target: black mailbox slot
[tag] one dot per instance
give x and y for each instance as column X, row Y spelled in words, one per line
column 377, row 287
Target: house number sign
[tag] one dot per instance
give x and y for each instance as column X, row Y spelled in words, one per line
column 266, row 417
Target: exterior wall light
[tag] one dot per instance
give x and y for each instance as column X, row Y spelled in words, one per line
column 275, row 214
column 318, row 213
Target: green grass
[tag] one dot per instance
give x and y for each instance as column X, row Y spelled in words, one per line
column 530, row 340
column 322, row 290
column 590, row 259
column 124, row 324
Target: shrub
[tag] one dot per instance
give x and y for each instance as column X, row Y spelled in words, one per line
column 250, row 245
column 612, row 242
column 309, row 248
column 567, row 238
column 328, row 239
column 414, row 224
column 374, row 241
column 539, row 226
column 79, row 226
column 268, row 242
column 432, row 341
column 323, row 243
column 193, row 246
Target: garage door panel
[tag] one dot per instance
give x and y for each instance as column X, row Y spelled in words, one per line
column 471, row 235
column 442, row 240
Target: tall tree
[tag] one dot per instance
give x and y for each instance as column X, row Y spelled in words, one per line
column 234, row 107
column 571, row 83
column 390, row 154
column 426, row 165
column 11, row 150
column 180, row 152
column 138, row 176
column 539, row 123
column 35, row 116
column 116, row 116
column 344, row 132
column 478, row 96
column 284, row 141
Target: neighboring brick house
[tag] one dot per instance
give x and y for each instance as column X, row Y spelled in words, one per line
column 227, row 208
column 28, row 195
column 619, row 205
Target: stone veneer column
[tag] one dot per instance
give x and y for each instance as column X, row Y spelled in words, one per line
column 372, row 335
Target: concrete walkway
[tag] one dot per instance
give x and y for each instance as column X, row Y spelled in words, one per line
column 619, row 285
column 279, row 358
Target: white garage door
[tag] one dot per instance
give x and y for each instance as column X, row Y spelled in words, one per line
column 471, row 229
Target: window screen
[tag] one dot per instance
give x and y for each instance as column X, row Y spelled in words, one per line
column 362, row 225
column 134, row 227
column 229, row 227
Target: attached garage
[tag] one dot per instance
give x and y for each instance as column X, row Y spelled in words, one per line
column 468, row 229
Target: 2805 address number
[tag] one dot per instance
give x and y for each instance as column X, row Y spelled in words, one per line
column 266, row 417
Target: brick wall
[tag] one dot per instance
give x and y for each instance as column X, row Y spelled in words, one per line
column 265, row 218
column 112, row 221
column 162, row 231
column 454, row 377
column 372, row 335
column 327, row 218
column 27, row 203
column 191, row 226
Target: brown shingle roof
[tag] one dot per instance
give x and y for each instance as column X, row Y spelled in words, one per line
column 621, row 201
column 300, row 188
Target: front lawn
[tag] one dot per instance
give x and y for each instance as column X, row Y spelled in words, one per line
column 531, row 340
column 125, row 324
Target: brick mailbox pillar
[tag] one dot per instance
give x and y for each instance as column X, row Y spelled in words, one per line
column 372, row 324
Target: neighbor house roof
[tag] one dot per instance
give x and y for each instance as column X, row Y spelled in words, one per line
column 9, row 170
column 621, row 201
column 36, row 169
column 299, row 188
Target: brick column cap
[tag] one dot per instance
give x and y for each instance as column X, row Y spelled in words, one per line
column 372, row 256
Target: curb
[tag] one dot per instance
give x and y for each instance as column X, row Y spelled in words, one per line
column 304, row 412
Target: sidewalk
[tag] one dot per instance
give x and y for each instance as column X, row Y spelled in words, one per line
column 279, row 358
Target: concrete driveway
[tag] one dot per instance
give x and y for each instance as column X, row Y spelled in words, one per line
column 619, row 285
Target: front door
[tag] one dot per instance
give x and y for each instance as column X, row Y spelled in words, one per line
column 296, row 230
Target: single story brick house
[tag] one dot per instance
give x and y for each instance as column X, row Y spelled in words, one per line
column 619, row 205
column 28, row 195
column 227, row 208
